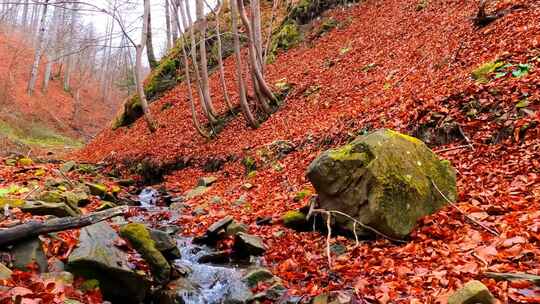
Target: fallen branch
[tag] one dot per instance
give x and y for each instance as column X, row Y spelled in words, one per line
column 490, row 230
column 34, row 228
column 466, row 138
column 499, row 276
column 452, row 148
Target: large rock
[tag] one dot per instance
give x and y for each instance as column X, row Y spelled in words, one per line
column 45, row 208
column 474, row 292
column 29, row 252
column 247, row 244
column 98, row 258
column 385, row 180
column 140, row 238
column 5, row 273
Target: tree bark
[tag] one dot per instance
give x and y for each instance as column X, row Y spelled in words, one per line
column 31, row 229
column 39, row 49
column 168, row 25
column 150, row 45
column 238, row 63
column 191, row 100
column 199, row 9
column 138, row 70
column 69, row 59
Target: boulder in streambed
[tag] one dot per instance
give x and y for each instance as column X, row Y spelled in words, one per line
column 98, row 258
column 140, row 238
column 45, row 208
column 28, row 252
column 247, row 244
column 385, row 180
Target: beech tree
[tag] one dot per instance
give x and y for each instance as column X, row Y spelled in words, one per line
column 39, row 49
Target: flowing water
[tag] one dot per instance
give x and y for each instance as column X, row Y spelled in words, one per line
column 205, row 283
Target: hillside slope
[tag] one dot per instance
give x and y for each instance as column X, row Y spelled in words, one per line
column 390, row 64
column 44, row 120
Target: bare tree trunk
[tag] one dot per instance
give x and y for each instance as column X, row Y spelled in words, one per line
column 220, row 59
column 210, row 115
column 168, row 25
column 105, row 62
column 265, row 89
column 149, row 44
column 69, row 59
column 199, row 9
column 138, row 70
column 174, row 30
column 47, row 76
column 24, row 22
column 238, row 62
column 257, row 39
column 39, row 49
column 270, row 29
column 51, row 48
column 187, row 75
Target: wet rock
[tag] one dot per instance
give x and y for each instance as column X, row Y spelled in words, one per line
column 53, row 183
column 165, row 244
column 52, row 196
column 68, row 166
column 247, row 244
column 388, row 177
column 76, row 198
column 55, row 265
column 220, row 225
column 295, row 220
column 263, row 221
column 105, row 205
column 125, row 182
column 28, row 252
column 206, row 181
column 196, row 192
column 5, row 273
column 282, row 147
column 474, row 292
column 59, row 277
column 235, row 227
column 272, row 293
column 139, row 236
column 257, row 275
column 44, row 208
column 175, row 292
column 182, row 269
column 98, row 258
column 218, row 257
column 97, row 189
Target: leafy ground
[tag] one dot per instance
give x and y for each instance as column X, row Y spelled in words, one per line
column 388, row 64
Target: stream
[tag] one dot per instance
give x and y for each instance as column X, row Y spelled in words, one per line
column 204, row 283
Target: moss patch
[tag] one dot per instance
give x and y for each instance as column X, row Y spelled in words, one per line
column 140, row 238
column 481, row 74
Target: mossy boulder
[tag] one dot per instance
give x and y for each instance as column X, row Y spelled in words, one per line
column 99, row 259
column 46, row 208
column 11, row 202
column 140, row 238
column 52, row 196
column 385, row 180
column 25, row 161
column 474, row 292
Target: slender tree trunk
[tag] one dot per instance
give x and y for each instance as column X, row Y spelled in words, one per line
column 257, row 39
column 270, row 29
column 138, row 70
column 196, row 122
column 265, row 89
column 71, row 42
column 174, row 21
column 202, row 53
column 238, row 63
column 39, row 49
column 105, row 62
column 210, row 115
column 24, row 22
column 47, row 76
column 220, row 59
column 149, row 44
column 168, row 25
column 51, row 51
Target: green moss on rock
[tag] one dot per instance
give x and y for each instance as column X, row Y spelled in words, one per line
column 481, row 74
column 140, row 238
column 294, row 219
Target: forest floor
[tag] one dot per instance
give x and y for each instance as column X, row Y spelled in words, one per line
column 386, row 65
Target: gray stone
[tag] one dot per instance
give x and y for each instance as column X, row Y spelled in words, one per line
column 44, row 208
column 98, row 258
column 385, row 180
column 474, row 292
column 27, row 252
column 67, row 166
column 177, row 206
column 5, row 272
column 76, row 198
column 196, row 192
column 218, row 257
column 220, row 225
column 165, row 244
column 247, row 244
column 272, row 293
column 235, row 227
column 60, row 277
column 207, row 181
column 257, row 275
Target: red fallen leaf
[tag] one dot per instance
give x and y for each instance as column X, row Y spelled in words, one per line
column 512, row 241
column 487, row 253
column 20, row 291
column 520, row 284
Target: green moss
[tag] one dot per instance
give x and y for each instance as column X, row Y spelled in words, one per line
column 97, row 189
column 35, row 135
column 11, row 202
column 140, row 238
column 89, row 285
column 414, row 140
column 422, row 4
column 294, row 219
column 249, row 164
column 285, row 38
column 300, row 195
column 347, row 152
column 481, row 74
column 328, row 25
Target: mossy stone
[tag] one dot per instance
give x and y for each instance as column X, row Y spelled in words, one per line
column 140, row 238
column 97, row 189
column 294, row 219
column 474, row 292
column 25, row 161
column 385, row 180
column 89, row 285
column 11, row 202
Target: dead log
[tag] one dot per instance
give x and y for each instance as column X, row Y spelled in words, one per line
column 507, row 276
column 35, row 228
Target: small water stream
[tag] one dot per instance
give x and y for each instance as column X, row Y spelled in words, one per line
column 205, row 283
